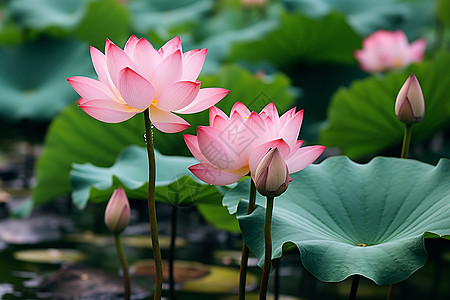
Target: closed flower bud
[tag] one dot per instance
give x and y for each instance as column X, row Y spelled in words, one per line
column 117, row 214
column 410, row 106
column 272, row 175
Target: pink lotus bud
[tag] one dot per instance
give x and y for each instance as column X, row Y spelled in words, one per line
column 117, row 214
column 272, row 175
column 410, row 106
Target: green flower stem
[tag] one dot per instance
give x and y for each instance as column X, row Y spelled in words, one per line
column 245, row 250
column 152, row 206
column 406, row 141
column 389, row 294
column 172, row 249
column 268, row 249
column 354, row 288
column 124, row 264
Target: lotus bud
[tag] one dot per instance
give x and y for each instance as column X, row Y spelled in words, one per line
column 272, row 175
column 117, row 214
column 410, row 106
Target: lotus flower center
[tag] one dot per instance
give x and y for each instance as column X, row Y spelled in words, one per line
column 397, row 63
column 154, row 102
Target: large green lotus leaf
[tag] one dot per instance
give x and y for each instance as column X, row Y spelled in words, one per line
column 175, row 184
column 43, row 14
column 104, row 19
column 347, row 218
column 91, row 20
column 131, row 171
column 361, row 118
column 75, row 137
column 244, row 87
column 370, row 15
column 160, row 15
column 32, row 78
column 300, row 38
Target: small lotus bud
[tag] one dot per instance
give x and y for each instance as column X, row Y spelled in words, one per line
column 410, row 106
column 117, row 214
column 272, row 175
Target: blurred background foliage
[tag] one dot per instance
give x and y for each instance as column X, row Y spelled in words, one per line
column 292, row 52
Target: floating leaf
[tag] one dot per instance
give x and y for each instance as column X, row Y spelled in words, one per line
column 32, row 78
column 347, row 218
column 299, row 38
column 137, row 241
column 219, row 280
column 52, row 256
column 361, row 119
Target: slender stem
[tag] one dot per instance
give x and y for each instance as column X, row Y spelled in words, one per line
column 245, row 250
column 124, row 264
column 172, row 251
column 354, row 289
column 389, row 294
column 268, row 249
column 152, row 206
column 406, row 141
column 277, row 279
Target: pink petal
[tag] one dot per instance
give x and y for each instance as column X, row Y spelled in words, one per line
column 135, row 89
column 107, row 111
column 215, row 147
column 417, row 50
column 188, row 54
column 241, row 108
column 90, row 89
column 211, row 175
column 204, row 100
column 259, row 152
column 252, row 133
column 303, row 157
column 213, row 112
column 145, row 57
column 171, row 46
column 272, row 113
column 192, row 144
column 116, row 60
column 291, row 129
column 178, row 95
column 131, row 43
column 220, row 123
column 167, row 72
column 99, row 62
column 193, row 65
column 166, row 121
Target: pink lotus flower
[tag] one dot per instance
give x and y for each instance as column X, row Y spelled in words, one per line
column 140, row 77
column 232, row 147
column 385, row 50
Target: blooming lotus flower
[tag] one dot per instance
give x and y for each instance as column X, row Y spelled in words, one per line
column 272, row 175
column 409, row 105
column 385, row 50
column 232, row 147
column 117, row 213
column 140, row 77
